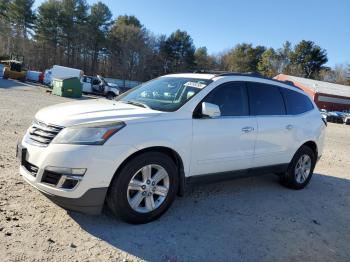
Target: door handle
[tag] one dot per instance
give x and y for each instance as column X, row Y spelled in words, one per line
column 289, row 127
column 247, row 129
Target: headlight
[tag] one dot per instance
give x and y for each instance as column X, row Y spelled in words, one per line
column 88, row 134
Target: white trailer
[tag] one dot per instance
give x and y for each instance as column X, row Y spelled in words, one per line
column 33, row 75
column 61, row 72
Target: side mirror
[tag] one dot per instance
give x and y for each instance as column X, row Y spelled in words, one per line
column 210, row 110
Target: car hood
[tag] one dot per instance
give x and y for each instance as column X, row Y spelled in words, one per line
column 94, row 110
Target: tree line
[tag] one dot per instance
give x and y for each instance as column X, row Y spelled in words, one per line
column 75, row 34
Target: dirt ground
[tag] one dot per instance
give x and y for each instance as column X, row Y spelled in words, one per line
column 252, row 219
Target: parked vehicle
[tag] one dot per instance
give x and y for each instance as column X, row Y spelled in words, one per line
column 138, row 152
column 2, row 68
column 61, row 72
column 347, row 118
column 324, row 114
column 337, row 117
column 14, row 69
column 125, row 84
column 47, row 77
column 122, row 89
column 98, row 86
column 41, row 77
column 33, row 76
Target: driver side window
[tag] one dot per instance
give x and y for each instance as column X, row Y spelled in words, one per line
column 231, row 97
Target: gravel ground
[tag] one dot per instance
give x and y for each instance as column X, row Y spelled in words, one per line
column 242, row 220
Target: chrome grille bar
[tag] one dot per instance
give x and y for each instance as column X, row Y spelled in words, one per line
column 42, row 134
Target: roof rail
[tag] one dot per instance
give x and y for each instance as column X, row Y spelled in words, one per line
column 253, row 74
column 213, row 72
column 227, row 73
column 288, row 82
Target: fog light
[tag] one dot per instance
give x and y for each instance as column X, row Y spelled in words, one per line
column 78, row 171
column 67, row 170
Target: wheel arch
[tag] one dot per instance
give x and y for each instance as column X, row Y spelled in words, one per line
column 111, row 92
column 175, row 156
column 313, row 146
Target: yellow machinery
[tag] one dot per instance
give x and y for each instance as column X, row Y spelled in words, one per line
column 14, row 70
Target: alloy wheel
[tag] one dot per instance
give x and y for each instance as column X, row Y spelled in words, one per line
column 302, row 169
column 148, row 188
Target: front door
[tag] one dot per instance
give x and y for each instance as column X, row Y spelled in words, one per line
column 224, row 143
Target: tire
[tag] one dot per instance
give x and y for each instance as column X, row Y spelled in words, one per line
column 110, row 95
column 298, row 180
column 121, row 195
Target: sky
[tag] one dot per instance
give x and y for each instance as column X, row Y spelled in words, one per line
column 219, row 25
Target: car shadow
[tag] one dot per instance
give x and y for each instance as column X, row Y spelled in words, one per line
column 239, row 220
column 9, row 83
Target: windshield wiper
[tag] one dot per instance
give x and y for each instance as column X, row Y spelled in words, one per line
column 135, row 103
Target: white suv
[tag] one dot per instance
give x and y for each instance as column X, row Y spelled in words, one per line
column 138, row 152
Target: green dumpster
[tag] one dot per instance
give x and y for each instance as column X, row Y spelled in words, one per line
column 67, row 87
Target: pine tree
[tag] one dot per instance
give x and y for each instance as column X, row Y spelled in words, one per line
column 308, row 59
column 99, row 24
column 179, row 49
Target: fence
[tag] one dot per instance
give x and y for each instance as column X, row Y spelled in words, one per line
column 123, row 83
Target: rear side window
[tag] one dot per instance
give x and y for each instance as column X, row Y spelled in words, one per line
column 265, row 99
column 296, row 103
column 231, row 97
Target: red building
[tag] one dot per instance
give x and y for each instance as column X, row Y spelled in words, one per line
column 329, row 96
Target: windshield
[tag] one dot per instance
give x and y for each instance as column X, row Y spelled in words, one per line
column 164, row 93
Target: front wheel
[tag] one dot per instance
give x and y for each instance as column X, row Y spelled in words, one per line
column 110, row 96
column 144, row 189
column 300, row 169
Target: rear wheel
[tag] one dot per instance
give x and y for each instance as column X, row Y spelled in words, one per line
column 300, row 169
column 144, row 189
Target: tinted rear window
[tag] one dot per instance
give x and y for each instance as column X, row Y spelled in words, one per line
column 265, row 99
column 296, row 103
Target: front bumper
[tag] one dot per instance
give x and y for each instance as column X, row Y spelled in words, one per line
column 88, row 195
column 90, row 203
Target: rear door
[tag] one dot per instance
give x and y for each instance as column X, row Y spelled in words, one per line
column 275, row 131
column 301, row 123
column 225, row 143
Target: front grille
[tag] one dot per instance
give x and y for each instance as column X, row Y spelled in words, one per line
column 50, row 178
column 30, row 168
column 42, row 134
